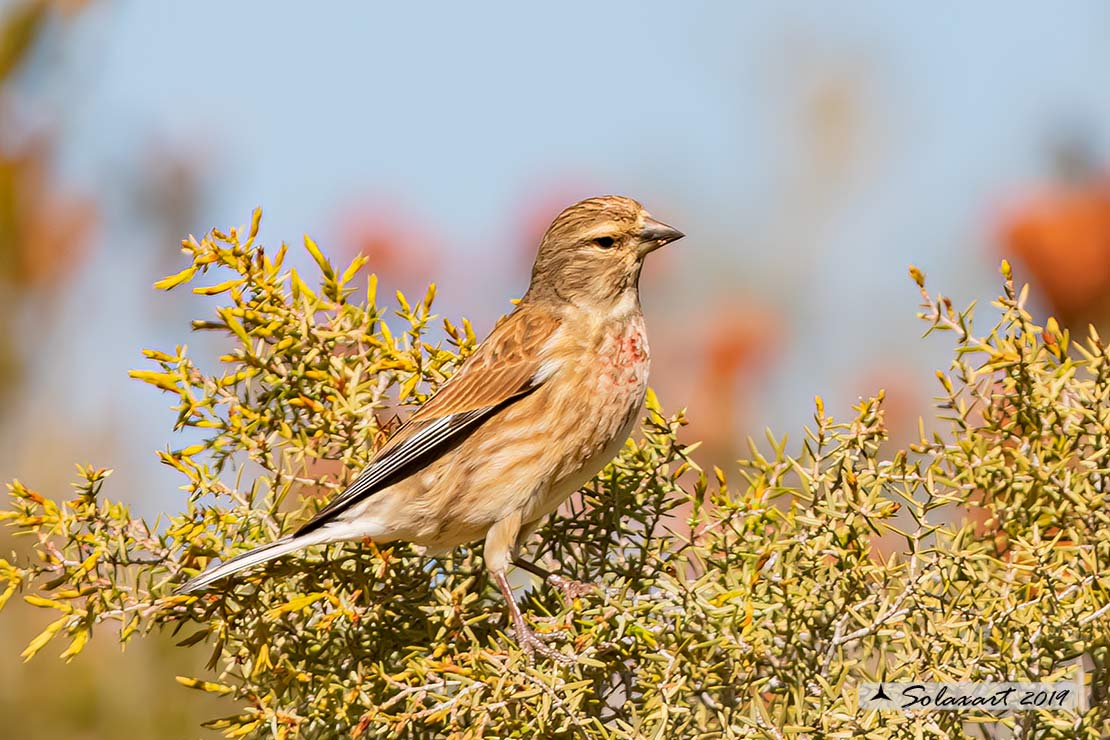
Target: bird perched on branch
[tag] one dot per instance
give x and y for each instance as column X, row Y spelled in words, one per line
column 530, row 416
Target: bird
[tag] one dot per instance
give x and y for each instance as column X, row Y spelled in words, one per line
column 529, row 417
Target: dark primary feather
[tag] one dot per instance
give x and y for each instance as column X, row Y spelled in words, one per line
column 502, row 370
column 403, row 460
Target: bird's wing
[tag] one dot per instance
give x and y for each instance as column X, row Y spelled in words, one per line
column 507, row 366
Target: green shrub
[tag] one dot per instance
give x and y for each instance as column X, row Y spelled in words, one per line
column 743, row 609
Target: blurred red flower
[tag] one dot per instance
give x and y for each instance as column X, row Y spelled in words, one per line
column 401, row 251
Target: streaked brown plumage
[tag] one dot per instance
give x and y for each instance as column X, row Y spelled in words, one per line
column 535, row 412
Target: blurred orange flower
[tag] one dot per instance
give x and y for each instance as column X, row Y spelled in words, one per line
column 1062, row 237
column 734, row 347
column 43, row 233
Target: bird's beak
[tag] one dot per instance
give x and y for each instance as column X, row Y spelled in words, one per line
column 655, row 234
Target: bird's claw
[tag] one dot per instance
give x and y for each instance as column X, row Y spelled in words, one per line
column 532, row 643
column 571, row 588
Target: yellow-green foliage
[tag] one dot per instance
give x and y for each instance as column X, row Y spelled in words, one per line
column 743, row 609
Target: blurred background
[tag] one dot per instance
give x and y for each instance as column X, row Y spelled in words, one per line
column 809, row 154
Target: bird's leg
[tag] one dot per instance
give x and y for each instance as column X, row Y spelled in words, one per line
column 569, row 587
column 528, row 640
column 500, row 551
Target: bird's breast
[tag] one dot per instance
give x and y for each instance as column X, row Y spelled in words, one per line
column 594, row 406
column 623, row 357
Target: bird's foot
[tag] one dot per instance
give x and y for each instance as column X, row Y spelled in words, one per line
column 571, row 588
column 531, row 643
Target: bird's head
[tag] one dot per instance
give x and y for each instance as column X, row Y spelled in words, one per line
column 593, row 251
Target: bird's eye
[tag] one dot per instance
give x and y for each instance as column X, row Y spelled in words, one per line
column 605, row 242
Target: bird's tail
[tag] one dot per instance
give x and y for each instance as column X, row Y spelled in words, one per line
column 258, row 555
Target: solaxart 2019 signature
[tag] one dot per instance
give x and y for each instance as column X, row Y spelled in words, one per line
column 991, row 697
